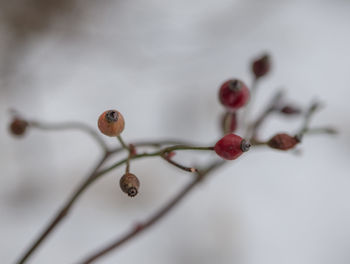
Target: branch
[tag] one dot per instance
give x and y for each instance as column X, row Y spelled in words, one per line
column 188, row 169
column 86, row 183
column 70, row 126
column 61, row 214
column 154, row 218
column 314, row 107
column 271, row 107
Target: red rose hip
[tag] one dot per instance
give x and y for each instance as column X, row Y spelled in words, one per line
column 231, row 146
column 233, row 94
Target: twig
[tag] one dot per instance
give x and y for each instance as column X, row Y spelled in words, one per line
column 188, row 169
column 321, row 130
column 62, row 213
column 271, row 107
column 314, row 107
column 122, row 142
column 68, row 126
column 142, row 226
column 86, row 183
column 155, row 144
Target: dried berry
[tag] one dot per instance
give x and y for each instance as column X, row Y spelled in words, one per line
column 283, row 142
column 261, row 66
column 129, row 184
column 231, row 146
column 229, row 122
column 18, row 127
column 111, row 123
column 233, row 94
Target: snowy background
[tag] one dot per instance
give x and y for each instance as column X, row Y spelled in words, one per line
column 160, row 63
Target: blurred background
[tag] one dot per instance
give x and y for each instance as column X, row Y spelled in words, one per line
column 160, row 63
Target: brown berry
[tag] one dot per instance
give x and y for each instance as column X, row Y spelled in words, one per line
column 111, row 123
column 261, row 66
column 129, row 184
column 18, row 127
column 283, row 142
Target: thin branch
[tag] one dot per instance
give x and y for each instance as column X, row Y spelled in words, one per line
column 271, row 107
column 152, row 154
column 321, row 130
column 61, row 214
column 142, row 226
column 69, row 126
column 122, row 142
column 86, row 183
column 314, row 107
column 188, row 169
column 155, row 144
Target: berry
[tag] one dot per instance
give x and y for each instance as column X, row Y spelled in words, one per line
column 111, row 123
column 231, row 146
column 233, row 94
column 229, row 122
column 261, row 66
column 18, row 127
column 129, row 184
column 283, row 141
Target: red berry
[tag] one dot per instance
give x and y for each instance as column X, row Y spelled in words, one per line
column 261, row 66
column 233, row 94
column 111, row 123
column 229, row 122
column 231, row 146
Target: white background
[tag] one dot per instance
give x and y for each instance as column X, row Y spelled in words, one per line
column 160, row 63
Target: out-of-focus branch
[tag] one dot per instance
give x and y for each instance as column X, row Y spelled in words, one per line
column 270, row 108
column 62, row 213
column 158, row 215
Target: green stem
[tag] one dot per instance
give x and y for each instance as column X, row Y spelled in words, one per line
column 122, row 142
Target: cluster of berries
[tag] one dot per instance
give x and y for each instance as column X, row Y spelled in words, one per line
column 233, row 95
column 111, row 123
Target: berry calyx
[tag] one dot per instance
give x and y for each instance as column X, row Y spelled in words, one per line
column 231, row 146
column 111, row 123
column 18, row 127
column 261, row 66
column 233, row 94
column 283, row 141
column 129, row 184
